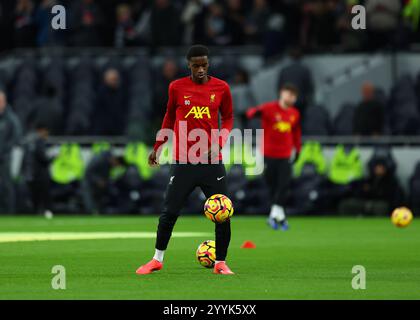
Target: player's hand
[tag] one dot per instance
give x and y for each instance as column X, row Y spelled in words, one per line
column 153, row 159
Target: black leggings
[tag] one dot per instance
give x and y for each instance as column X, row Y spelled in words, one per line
column 184, row 178
column 278, row 175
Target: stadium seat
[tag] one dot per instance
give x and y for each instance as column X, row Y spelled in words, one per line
column 308, row 194
column 404, row 115
column 78, row 123
column 316, row 121
column 343, row 121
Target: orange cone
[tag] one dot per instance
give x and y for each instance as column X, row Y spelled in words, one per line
column 248, row 245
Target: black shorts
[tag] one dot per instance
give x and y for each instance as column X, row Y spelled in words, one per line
column 184, row 178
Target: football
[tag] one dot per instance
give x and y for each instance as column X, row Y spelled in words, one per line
column 401, row 217
column 206, row 253
column 218, row 208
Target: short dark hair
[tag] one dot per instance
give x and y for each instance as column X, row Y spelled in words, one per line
column 290, row 87
column 197, row 50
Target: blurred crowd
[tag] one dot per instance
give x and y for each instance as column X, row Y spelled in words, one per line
column 77, row 97
column 315, row 25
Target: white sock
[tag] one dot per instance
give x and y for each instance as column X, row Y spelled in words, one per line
column 159, row 255
column 217, row 261
column 277, row 212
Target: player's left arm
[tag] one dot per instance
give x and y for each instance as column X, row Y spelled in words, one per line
column 297, row 136
column 226, row 113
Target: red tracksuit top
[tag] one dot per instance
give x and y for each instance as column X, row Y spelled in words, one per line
column 191, row 106
column 282, row 131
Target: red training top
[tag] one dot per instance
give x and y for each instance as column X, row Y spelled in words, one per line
column 196, row 106
column 282, row 131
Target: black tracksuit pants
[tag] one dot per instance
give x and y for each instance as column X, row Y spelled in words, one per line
column 278, row 175
column 184, row 178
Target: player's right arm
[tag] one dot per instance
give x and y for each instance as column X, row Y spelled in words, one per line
column 168, row 123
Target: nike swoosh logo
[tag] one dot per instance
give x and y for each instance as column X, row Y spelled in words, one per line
column 218, row 179
column 186, row 97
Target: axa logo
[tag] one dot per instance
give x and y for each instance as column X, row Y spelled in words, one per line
column 199, row 112
column 283, row 126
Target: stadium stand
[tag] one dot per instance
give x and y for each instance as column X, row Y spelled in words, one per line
column 66, row 79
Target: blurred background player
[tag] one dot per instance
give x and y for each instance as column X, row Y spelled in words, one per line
column 282, row 134
column 205, row 169
column 96, row 182
column 10, row 133
column 35, row 169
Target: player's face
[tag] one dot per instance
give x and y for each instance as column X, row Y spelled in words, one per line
column 199, row 67
column 288, row 98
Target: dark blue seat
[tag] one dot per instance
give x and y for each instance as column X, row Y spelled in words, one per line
column 343, row 121
column 316, row 121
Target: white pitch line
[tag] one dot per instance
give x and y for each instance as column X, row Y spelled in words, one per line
column 53, row 236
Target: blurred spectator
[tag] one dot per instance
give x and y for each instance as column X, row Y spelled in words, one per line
column 276, row 35
column 348, row 38
column 256, row 22
column 96, row 183
column 143, row 23
column 168, row 73
column 382, row 21
column 191, row 10
column 125, row 31
column 6, row 24
column 35, row 169
column 236, row 21
column 216, row 26
column 110, row 112
column 319, row 25
column 314, row 25
column 300, row 76
column 368, row 117
column 10, row 134
column 24, row 24
column 165, row 24
column 45, row 34
column 378, row 195
column 86, row 20
column 48, row 110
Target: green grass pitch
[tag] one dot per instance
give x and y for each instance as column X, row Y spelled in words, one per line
column 311, row 261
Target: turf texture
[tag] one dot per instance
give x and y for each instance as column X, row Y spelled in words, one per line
column 313, row 260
